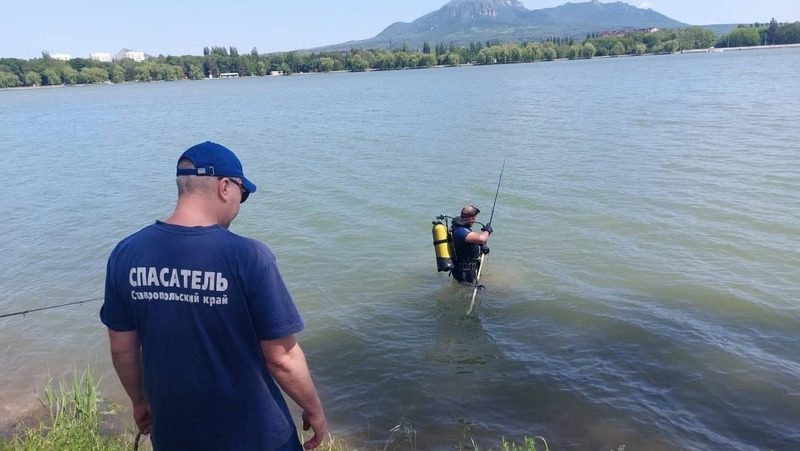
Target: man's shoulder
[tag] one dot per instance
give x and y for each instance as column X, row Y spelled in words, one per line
column 218, row 240
column 143, row 233
column 247, row 242
column 460, row 230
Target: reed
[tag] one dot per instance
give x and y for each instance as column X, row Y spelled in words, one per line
column 74, row 419
column 528, row 444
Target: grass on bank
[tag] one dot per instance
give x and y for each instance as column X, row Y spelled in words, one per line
column 74, row 421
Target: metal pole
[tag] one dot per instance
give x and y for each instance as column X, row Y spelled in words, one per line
column 497, row 192
column 475, row 290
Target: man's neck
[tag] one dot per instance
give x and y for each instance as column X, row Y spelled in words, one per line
column 192, row 213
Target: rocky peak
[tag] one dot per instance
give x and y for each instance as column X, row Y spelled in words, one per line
column 471, row 10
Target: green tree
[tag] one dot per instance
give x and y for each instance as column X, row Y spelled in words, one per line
column 91, row 75
column 9, row 80
column 50, row 77
column 79, row 63
column 485, row 56
column 247, row 65
column 173, row 72
column 210, row 67
column 116, row 74
column 357, row 63
column 788, row 34
column 695, row 38
column 384, row 60
column 588, row 50
column 452, row 59
column 772, row 32
column 617, row 49
column 651, row 40
column 572, row 52
column 427, row 60
column 69, row 76
column 426, row 48
column 141, row 73
column 195, row 72
column 33, row 79
column 402, row 59
column 14, row 66
column 740, row 37
column 670, row 46
column 533, row 52
column 326, row 64
column 261, row 69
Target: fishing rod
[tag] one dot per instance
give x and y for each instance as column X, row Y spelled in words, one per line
column 23, row 313
column 497, row 192
column 480, row 264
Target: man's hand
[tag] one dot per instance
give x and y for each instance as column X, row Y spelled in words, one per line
column 143, row 418
column 319, row 425
column 487, row 228
column 287, row 365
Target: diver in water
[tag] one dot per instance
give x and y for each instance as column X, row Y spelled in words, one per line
column 468, row 245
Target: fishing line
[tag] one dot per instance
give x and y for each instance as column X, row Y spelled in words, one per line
column 25, row 312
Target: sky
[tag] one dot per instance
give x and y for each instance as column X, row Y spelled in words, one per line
column 184, row 27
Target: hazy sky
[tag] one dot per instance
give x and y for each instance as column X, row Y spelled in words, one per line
column 179, row 27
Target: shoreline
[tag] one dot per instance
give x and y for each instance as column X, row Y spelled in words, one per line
column 737, row 49
column 437, row 66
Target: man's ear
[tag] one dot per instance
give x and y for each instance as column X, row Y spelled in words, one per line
column 224, row 189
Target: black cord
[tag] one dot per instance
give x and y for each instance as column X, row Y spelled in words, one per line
column 136, row 442
column 6, row 315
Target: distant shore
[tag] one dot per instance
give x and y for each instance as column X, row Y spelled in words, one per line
column 736, row 49
column 438, row 66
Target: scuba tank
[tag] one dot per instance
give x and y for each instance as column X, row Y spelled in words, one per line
column 442, row 244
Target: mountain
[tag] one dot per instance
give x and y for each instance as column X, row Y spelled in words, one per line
column 465, row 21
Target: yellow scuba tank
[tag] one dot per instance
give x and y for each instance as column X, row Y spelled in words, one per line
column 441, row 244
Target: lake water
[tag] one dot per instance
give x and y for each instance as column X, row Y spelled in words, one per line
column 642, row 288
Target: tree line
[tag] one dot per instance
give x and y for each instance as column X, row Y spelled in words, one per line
column 761, row 34
column 46, row 71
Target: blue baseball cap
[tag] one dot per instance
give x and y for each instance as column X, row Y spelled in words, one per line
column 214, row 159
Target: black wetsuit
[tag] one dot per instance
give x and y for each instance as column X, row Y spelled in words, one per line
column 467, row 255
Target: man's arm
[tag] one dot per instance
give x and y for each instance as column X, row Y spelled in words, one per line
column 126, row 355
column 477, row 237
column 287, row 364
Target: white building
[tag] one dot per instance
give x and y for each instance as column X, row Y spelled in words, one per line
column 129, row 55
column 61, row 56
column 100, row 56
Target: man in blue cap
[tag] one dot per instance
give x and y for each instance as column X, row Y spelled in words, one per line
column 202, row 326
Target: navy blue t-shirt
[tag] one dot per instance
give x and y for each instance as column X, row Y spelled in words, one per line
column 201, row 300
column 465, row 252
